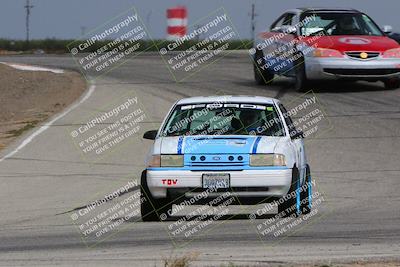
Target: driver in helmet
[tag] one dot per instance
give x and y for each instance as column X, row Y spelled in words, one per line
column 346, row 26
column 248, row 122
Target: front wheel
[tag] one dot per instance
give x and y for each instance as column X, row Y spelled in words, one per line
column 392, row 84
column 152, row 209
column 301, row 82
column 261, row 76
column 289, row 205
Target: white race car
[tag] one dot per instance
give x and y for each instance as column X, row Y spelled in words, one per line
column 246, row 145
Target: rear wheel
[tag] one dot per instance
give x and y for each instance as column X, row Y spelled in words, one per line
column 306, row 195
column 301, row 82
column 261, row 76
column 392, row 83
column 290, row 204
column 152, row 209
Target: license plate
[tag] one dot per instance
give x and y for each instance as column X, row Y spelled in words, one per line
column 216, row 180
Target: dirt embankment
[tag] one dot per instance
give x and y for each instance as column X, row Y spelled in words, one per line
column 30, row 97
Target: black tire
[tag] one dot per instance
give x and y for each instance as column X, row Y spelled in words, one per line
column 392, row 84
column 305, row 196
column 152, row 209
column 289, row 206
column 262, row 77
column 301, row 83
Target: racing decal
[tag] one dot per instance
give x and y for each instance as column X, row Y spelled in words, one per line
column 169, row 181
column 354, row 41
column 256, row 142
column 229, row 105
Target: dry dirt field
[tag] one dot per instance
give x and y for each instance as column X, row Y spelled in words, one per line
column 30, row 97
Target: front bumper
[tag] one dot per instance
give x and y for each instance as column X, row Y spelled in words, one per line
column 348, row 68
column 273, row 182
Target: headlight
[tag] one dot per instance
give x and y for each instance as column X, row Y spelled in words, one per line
column 171, row 160
column 392, row 53
column 324, row 52
column 258, row 160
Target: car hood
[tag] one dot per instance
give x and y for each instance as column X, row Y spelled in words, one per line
column 219, row 144
column 360, row 43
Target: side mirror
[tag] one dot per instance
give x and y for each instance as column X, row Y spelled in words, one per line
column 151, row 135
column 287, row 29
column 296, row 134
column 387, row 29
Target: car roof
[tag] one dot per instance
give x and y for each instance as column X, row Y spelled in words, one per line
column 227, row 98
column 332, row 9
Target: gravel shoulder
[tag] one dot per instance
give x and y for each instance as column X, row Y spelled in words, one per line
column 30, row 97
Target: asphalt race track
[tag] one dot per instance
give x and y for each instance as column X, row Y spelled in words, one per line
column 355, row 163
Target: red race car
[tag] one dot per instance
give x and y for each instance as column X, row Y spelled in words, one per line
column 321, row 44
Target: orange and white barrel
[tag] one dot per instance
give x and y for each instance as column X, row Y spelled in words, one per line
column 176, row 22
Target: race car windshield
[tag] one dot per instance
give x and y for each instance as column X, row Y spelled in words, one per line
column 224, row 119
column 338, row 24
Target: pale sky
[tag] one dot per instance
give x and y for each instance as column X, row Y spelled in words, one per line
column 64, row 18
